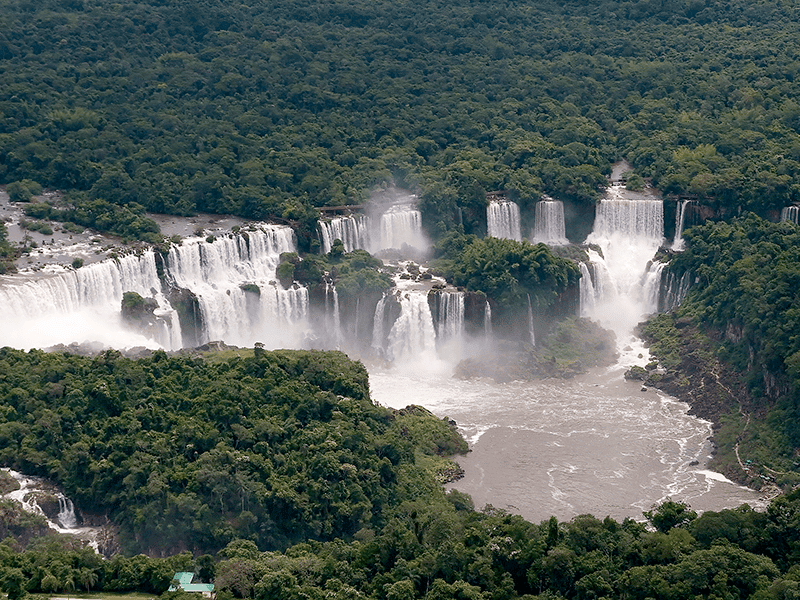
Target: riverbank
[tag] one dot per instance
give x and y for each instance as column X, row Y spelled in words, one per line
column 686, row 365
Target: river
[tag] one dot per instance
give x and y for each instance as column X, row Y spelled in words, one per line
column 595, row 444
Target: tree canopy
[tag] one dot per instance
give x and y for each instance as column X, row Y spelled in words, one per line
column 269, row 109
column 185, row 453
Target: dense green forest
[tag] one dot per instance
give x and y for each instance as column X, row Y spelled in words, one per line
column 274, row 472
column 187, row 453
column 282, row 480
column 267, row 110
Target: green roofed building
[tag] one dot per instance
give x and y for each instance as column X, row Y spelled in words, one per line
column 183, row 582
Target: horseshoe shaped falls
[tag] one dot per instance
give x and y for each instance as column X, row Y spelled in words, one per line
column 594, row 443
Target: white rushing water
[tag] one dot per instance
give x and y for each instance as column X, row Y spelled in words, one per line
column 232, row 276
column 412, row 338
column 353, row 230
column 680, row 218
column 33, row 490
column 548, row 225
column 502, row 220
column 628, row 228
column 80, row 305
column 791, row 213
column 401, row 225
column 219, row 273
column 450, row 322
column 397, row 226
column 594, row 444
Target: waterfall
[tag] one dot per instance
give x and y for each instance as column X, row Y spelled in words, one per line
column 353, row 230
column 378, row 333
column 332, row 317
column 680, row 216
column 629, row 230
column 587, row 292
column 651, row 286
column 358, row 316
column 412, row 337
column 531, row 332
column 629, row 218
column 231, row 276
column 487, row 321
column 548, row 226
column 673, row 290
column 791, row 213
column 220, row 273
column 502, row 220
column 84, row 305
column 66, row 513
column 401, row 225
column 450, row 321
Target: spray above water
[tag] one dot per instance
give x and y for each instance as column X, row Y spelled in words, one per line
column 392, row 222
column 231, row 278
column 353, row 230
column 401, row 226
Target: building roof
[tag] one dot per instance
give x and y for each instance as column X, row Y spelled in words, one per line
column 185, row 583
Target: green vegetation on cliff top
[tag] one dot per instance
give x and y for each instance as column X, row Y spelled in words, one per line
column 269, row 109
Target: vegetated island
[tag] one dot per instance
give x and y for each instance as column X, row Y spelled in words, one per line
column 573, row 346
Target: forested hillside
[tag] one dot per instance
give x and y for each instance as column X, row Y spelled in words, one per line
column 186, row 453
column 269, row 109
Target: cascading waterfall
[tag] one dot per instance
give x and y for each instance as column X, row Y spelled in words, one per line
column 84, row 305
column 651, row 286
column 378, row 332
column 32, row 490
column 412, row 337
column 353, row 230
column 629, row 228
column 221, row 274
column 66, row 513
column 587, row 292
column 680, row 217
column 548, row 225
column 232, row 277
column 502, row 220
column 450, row 322
column 791, row 213
column 401, row 225
column 487, row 321
column 673, row 290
